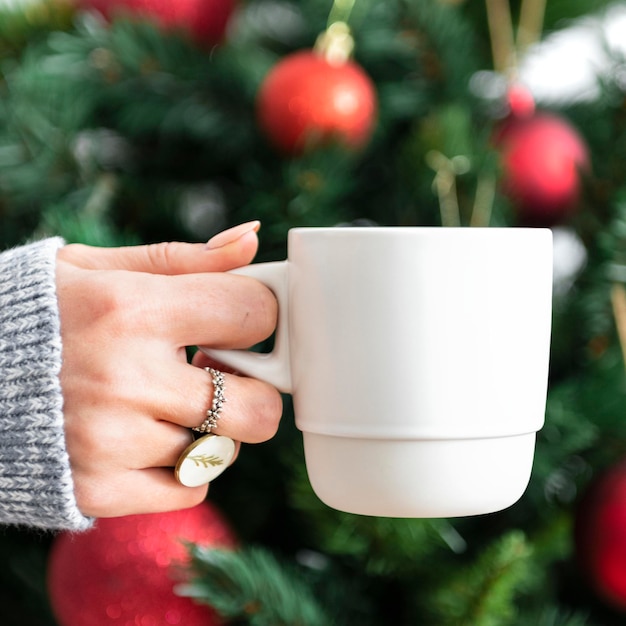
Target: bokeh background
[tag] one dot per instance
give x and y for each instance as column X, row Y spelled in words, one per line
column 134, row 121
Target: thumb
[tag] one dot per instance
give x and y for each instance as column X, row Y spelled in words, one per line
column 229, row 249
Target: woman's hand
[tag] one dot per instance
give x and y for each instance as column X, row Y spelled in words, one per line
column 130, row 396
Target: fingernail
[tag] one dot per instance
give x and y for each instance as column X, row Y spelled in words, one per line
column 232, row 234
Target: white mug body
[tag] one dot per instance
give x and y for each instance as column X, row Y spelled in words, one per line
column 418, row 363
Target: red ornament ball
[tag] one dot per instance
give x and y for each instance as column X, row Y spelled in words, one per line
column 600, row 535
column 205, row 20
column 123, row 571
column 543, row 158
column 306, row 101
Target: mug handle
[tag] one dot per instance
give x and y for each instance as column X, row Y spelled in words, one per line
column 273, row 367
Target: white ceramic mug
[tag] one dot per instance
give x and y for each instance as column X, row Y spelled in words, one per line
column 418, row 363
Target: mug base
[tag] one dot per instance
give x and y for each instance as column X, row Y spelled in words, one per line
column 419, row 478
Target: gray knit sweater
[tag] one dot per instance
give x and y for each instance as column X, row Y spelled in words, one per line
column 36, row 487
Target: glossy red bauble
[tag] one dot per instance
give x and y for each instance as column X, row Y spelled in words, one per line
column 204, row 20
column 600, row 535
column 123, row 571
column 543, row 158
column 306, row 101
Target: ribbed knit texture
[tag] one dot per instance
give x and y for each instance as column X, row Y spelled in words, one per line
column 36, row 487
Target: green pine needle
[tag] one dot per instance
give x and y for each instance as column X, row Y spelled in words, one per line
column 251, row 585
column 483, row 593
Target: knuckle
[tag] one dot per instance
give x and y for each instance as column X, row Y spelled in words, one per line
column 269, row 311
column 161, row 255
column 112, row 301
column 93, row 499
column 261, row 313
column 267, row 414
column 88, row 441
column 118, row 305
column 243, row 309
column 72, row 252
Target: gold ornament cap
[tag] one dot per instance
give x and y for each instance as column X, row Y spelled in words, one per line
column 336, row 43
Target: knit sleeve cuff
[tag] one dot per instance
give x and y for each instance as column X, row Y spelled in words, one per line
column 36, row 487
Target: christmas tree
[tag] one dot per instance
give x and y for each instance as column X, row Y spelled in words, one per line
column 126, row 122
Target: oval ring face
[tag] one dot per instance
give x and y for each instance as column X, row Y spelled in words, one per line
column 204, row 460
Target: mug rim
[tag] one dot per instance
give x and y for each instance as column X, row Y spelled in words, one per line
column 420, row 229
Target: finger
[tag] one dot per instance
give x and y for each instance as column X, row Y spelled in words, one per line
column 135, row 492
column 228, row 250
column 129, row 442
column 167, row 441
column 126, row 439
column 218, row 310
column 251, row 412
column 161, row 446
column 221, row 310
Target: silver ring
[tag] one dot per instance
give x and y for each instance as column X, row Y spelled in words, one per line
column 213, row 414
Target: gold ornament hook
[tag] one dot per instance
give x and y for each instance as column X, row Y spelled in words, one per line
column 506, row 45
column 336, row 43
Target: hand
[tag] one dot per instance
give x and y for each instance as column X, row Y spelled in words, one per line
column 130, row 396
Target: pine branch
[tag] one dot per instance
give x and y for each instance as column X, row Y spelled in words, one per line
column 483, row 593
column 444, row 31
column 253, row 586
